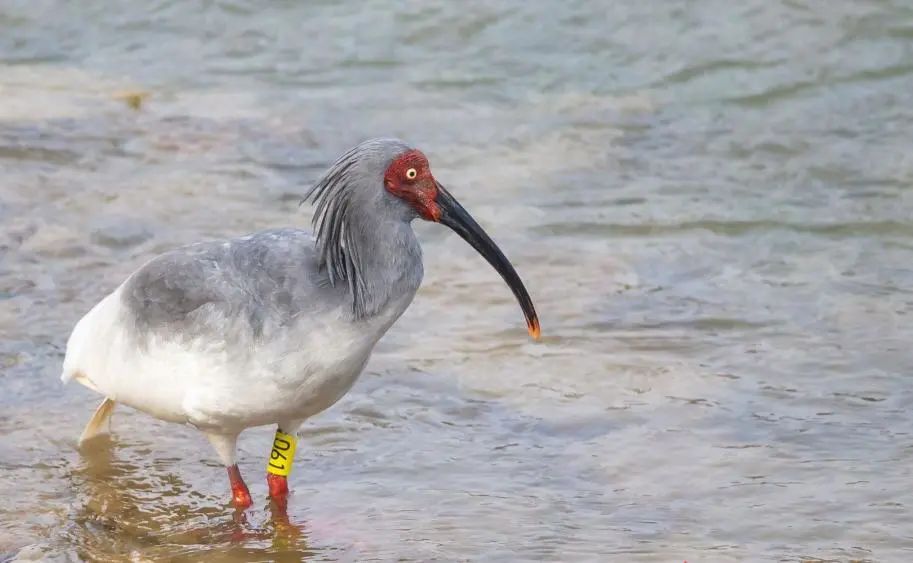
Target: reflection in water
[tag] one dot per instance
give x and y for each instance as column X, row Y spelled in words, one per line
column 125, row 493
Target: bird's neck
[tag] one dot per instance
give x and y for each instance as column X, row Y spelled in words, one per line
column 385, row 265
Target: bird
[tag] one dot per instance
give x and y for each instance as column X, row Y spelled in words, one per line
column 274, row 327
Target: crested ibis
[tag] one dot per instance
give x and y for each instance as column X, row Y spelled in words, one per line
column 276, row 326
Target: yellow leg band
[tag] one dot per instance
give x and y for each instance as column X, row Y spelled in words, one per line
column 282, row 455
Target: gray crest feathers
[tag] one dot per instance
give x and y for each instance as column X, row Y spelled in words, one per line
column 353, row 180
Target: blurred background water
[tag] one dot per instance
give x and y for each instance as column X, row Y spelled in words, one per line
column 710, row 201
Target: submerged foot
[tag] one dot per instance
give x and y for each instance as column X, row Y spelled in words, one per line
column 240, row 495
column 241, row 499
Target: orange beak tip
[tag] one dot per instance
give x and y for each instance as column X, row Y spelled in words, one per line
column 534, row 330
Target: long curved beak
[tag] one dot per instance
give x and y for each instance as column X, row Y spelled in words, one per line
column 454, row 216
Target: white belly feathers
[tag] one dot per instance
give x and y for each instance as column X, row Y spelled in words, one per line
column 290, row 376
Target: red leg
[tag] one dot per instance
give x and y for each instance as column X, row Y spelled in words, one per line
column 278, row 490
column 239, row 493
column 279, row 464
column 278, row 485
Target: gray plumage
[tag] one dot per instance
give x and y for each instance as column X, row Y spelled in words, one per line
column 273, row 327
column 341, row 206
column 266, row 281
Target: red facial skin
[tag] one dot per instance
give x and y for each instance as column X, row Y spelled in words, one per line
column 239, row 493
column 421, row 191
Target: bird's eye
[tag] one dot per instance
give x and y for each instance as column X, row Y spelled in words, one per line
column 411, row 173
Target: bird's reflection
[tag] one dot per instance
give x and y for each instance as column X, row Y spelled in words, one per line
column 131, row 504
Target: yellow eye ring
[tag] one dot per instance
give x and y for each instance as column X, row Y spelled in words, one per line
column 411, row 173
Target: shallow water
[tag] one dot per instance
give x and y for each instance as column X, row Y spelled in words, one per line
column 710, row 202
